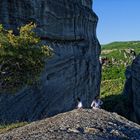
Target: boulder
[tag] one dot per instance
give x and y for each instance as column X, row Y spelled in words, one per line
column 82, row 124
column 69, row 28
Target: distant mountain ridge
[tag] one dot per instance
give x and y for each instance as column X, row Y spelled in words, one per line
column 122, row 45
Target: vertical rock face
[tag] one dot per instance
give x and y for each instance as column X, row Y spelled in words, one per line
column 136, row 88
column 69, row 28
column 132, row 88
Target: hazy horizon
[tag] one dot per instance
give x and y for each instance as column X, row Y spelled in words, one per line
column 120, row 41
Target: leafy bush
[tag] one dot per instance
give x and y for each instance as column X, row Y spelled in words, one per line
column 111, row 87
column 21, row 58
column 113, row 72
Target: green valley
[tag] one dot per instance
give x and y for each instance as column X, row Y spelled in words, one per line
column 117, row 55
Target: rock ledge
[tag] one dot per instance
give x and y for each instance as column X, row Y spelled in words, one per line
column 83, row 124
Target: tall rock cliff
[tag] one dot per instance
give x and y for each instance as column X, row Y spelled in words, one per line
column 69, row 28
column 132, row 88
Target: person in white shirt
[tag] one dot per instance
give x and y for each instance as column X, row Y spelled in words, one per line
column 80, row 105
column 96, row 103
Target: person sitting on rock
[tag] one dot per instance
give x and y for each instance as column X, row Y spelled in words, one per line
column 80, row 105
column 96, row 103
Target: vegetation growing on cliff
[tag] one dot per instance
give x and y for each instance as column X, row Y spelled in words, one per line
column 21, row 58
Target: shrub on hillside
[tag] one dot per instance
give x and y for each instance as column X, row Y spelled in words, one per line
column 21, row 58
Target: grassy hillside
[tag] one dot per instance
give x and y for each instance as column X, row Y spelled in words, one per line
column 118, row 56
column 122, row 45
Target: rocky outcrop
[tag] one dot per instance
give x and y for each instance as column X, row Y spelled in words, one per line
column 78, row 125
column 69, row 28
column 136, row 88
column 59, row 20
column 132, row 88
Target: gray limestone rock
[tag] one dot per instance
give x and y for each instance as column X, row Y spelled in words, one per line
column 132, row 88
column 78, row 124
column 69, row 28
column 136, row 88
column 128, row 84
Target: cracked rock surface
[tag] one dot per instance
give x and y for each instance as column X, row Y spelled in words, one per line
column 69, row 28
column 82, row 124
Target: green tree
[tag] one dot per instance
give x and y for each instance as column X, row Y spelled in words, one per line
column 22, row 57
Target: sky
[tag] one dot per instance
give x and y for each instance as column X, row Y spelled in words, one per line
column 119, row 20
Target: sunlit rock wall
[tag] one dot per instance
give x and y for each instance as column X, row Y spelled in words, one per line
column 69, row 28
